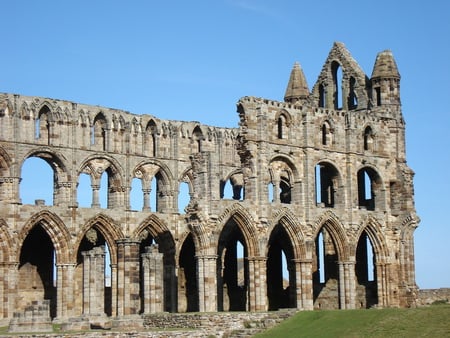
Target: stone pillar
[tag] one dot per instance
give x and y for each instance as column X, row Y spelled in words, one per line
column 64, row 290
column 257, row 288
column 146, row 205
column 304, row 285
column 93, row 281
column 347, row 285
column 207, row 282
column 95, row 196
column 127, row 277
column 153, row 280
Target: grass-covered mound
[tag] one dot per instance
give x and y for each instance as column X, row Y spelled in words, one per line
column 432, row 321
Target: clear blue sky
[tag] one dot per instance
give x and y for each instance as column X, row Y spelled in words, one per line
column 192, row 60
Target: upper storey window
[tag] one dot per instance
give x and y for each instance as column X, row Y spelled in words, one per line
column 352, row 98
column 337, row 84
column 98, row 133
column 282, row 124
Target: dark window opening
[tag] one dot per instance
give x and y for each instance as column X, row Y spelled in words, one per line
column 280, row 127
column 378, row 96
column 368, row 138
column 326, row 184
column 352, row 98
column 337, row 84
column 322, row 96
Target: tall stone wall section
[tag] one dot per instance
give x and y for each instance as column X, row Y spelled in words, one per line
column 321, row 213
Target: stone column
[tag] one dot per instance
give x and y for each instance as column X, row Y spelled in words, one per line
column 93, row 281
column 257, row 286
column 146, row 205
column 347, row 285
column 153, row 280
column 95, row 196
column 207, row 282
column 304, row 285
column 64, row 290
column 127, row 277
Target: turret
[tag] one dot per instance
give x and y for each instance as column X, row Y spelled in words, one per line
column 297, row 88
column 385, row 80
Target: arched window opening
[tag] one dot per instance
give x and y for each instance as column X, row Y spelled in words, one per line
column 42, row 126
column 365, row 272
column 157, row 265
column 84, row 191
column 104, row 190
column 378, row 96
column 285, row 191
column 325, row 272
column 93, row 275
column 198, row 138
column 281, row 125
column 368, row 138
column 233, row 188
column 327, row 178
column 187, row 281
column 36, row 271
column 337, row 83
column 137, row 194
column 98, row 132
column 280, row 280
column 151, row 131
column 184, row 197
column 369, row 188
column 352, row 98
column 37, row 182
column 154, row 186
column 322, row 96
column 270, row 192
column 232, row 269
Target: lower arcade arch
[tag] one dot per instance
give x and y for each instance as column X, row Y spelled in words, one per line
column 365, row 273
column 93, row 275
column 36, row 278
column 188, row 299
column 281, row 281
column 326, row 290
column 232, row 269
column 157, row 249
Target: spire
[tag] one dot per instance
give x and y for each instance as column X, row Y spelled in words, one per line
column 385, row 66
column 297, row 88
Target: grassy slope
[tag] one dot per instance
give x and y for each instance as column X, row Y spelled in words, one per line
column 433, row 321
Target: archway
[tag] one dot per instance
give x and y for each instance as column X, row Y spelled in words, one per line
column 232, row 269
column 281, row 279
column 365, row 271
column 187, row 278
column 36, row 277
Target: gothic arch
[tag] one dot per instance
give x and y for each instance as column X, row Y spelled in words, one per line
column 57, row 161
column 286, row 218
column 333, row 225
column 153, row 224
column 373, row 229
column 163, row 169
column 108, row 228
column 5, row 162
column 6, row 243
column 56, row 230
column 245, row 223
column 107, row 162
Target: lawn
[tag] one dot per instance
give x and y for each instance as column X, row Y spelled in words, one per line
column 432, row 321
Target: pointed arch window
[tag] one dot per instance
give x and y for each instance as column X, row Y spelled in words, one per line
column 336, row 70
column 98, row 132
column 352, row 98
column 197, row 136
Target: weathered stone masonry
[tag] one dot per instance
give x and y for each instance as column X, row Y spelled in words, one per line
column 319, row 181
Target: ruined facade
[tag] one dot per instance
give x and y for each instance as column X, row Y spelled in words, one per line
column 307, row 204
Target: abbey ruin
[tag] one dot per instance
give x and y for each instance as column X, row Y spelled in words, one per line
column 307, row 204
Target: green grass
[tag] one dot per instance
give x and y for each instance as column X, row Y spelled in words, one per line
column 433, row 321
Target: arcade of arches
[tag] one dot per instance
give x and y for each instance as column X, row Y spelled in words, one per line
column 307, row 205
